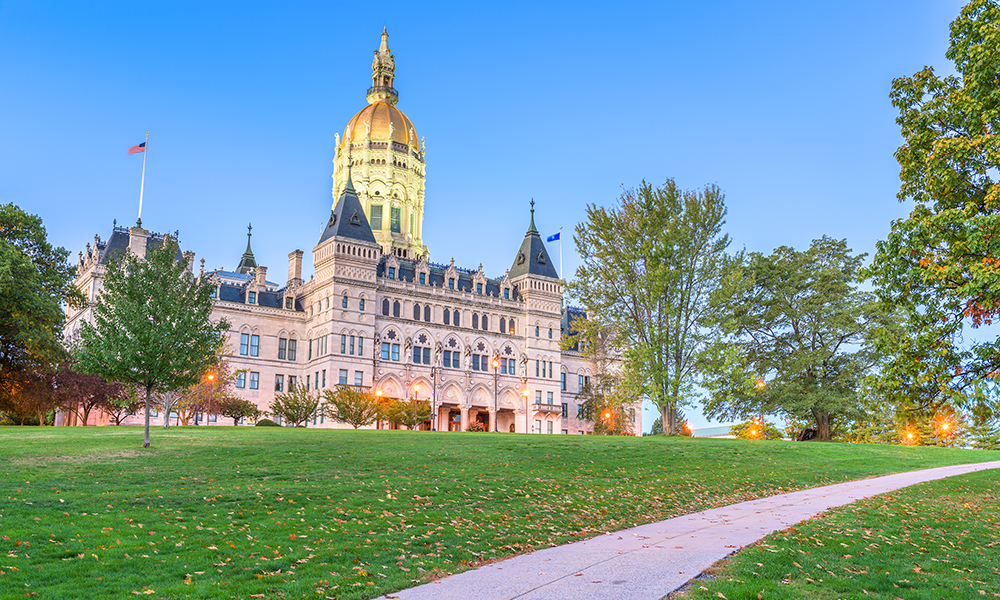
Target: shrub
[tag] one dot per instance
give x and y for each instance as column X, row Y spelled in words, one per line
column 266, row 423
column 476, row 426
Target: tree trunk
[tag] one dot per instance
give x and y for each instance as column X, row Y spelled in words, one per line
column 86, row 415
column 822, row 425
column 149, row 394
column 663, row 419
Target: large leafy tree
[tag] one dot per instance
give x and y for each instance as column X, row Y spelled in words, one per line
column 35, row 281
column 352, row 406
column 650, row 265
column 796, row 328
column 296, row 406
column 940, row 266
column 152, row 325
column 81, row 393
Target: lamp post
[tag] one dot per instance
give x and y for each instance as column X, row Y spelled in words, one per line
column 434, row 391
column 378, row 399
column 760, row 384
column 413, row 405
column 496, row 375
column 525, row 394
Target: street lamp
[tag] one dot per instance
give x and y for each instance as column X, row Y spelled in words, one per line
column 525, row 393
column 434, row 391
column 760, row 384
column 496, row 375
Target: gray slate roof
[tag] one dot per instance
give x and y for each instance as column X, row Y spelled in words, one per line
column 532, row 258
column 348, row 218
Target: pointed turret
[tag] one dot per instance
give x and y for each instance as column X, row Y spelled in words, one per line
column 532, row 258
column 383, row 73
column 347, row 220
column 247, row 263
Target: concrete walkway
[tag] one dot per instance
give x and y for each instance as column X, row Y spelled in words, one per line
column 650, row 561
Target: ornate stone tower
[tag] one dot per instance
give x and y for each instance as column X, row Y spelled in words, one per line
column 381, row 145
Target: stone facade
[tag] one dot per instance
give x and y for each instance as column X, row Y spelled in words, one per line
column 376, row 313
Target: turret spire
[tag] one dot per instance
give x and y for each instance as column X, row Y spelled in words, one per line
column 383, row 73
column 247, row 262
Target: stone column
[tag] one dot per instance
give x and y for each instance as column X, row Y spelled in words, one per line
column 493, row 419
column 465, row 418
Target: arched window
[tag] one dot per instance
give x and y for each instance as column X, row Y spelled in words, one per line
column 416, row 312
column 395, row 308
column 503, row 325
column 486, row 323
column 447, row 317
column 550, row 333
column 427, row 314
column 344, row 302
column 457, row 318
column 385, row 307
column 511, row 324
column 475, row 321
column 361, row 305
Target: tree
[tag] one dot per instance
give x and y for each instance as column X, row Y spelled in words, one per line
column 214, row 390
column 409, row 413
column 35, row 280
column 649, row 268
column 348, row 405
column 81, row 393
column 124, row 405
column 151, row 325
column 238, row 408
column 752, row 430
column 296, row 406
column 37, row 395
column 795, row 341
column 683, row 427
column 940, row 266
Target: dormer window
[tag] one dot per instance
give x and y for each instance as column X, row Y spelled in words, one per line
column 251, row 297
column 289, row 303
column 506, row 293
column 423, row 279
column 479, row 288
column 451, row 283
column 213, row 294
column 392, row 272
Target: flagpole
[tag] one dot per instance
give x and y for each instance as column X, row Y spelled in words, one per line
column 142, row 184
column 560, row 254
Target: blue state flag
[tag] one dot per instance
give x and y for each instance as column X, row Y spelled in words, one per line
column 552, row 238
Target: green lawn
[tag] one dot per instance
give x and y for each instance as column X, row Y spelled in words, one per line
column 269, row 512
column 939, row 539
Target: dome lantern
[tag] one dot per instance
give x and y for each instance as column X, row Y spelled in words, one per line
column 383, row 73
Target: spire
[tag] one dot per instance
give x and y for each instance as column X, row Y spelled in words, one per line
column 247, row 262
column 532, row 258
column 348, row 219
column 531, row 228
column 383, row 73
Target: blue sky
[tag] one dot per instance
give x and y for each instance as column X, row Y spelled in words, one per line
column 784, row 105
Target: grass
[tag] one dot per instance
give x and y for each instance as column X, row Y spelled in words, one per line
column 275, row 512
column 938, row 539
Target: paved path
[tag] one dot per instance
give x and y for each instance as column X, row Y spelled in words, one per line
column 650, row 561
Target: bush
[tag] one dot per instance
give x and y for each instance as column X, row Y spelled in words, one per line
column 476, row 426
column 266, row 423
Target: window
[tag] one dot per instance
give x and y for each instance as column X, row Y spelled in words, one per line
column 550, row 333
column 251, row 297
column 343, row 343
column 549, row 397
column 343, row 302
column 580, row 385
column 279, row 383
column 361, row 346
column 411, row 226
column 565, row 411
column 254, row 380
column 506, row 293
column 562, row 382
column 395, row 308
column 579, row 411
column 536, row 331
column 343, row 377
column 457, row 318
column 447, row 317
column 486, row 323
column 310, row 354
column 510, row 326
column 292, row 380
column 392, row 274
column 394, row 219
column 416, row 312
column 328, row 302
column 475, row 321
column 213, row 294
column 423, row 279
column 427, row 313
column 395, row 352
column 538, row 426
column 359, row 378
column 548, row 427
column 452, row 359
column 361, row 305
column 324, row 377
column 421, row 355
column 254, row 345
column 244, row 344
column 538, row 396
column 351, row 348
column 241, row 380
column 282, row 348
column 503, row 324
column 451, row 283
column 289, row 303
column 503, row 366
column 385, row 307
column 479, row 288
column 385, row 351
column 475, row 362
column 308, row 381
column 291, row 349
column 376, row 218
column 550, row 369
column 537, row 364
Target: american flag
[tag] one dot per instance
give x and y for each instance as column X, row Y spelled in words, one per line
column 135, row 149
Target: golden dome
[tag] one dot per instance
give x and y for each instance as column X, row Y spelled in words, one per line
column 380, row 114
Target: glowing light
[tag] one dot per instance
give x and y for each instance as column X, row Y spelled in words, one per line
column 210, row 376
column 496, row 363
column 416, row 389
column 753, row 432
column 607, row 415
column 944, row 426
column 759, row 384
column 378, row 393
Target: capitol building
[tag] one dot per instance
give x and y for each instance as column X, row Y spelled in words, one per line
column 376, row 313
